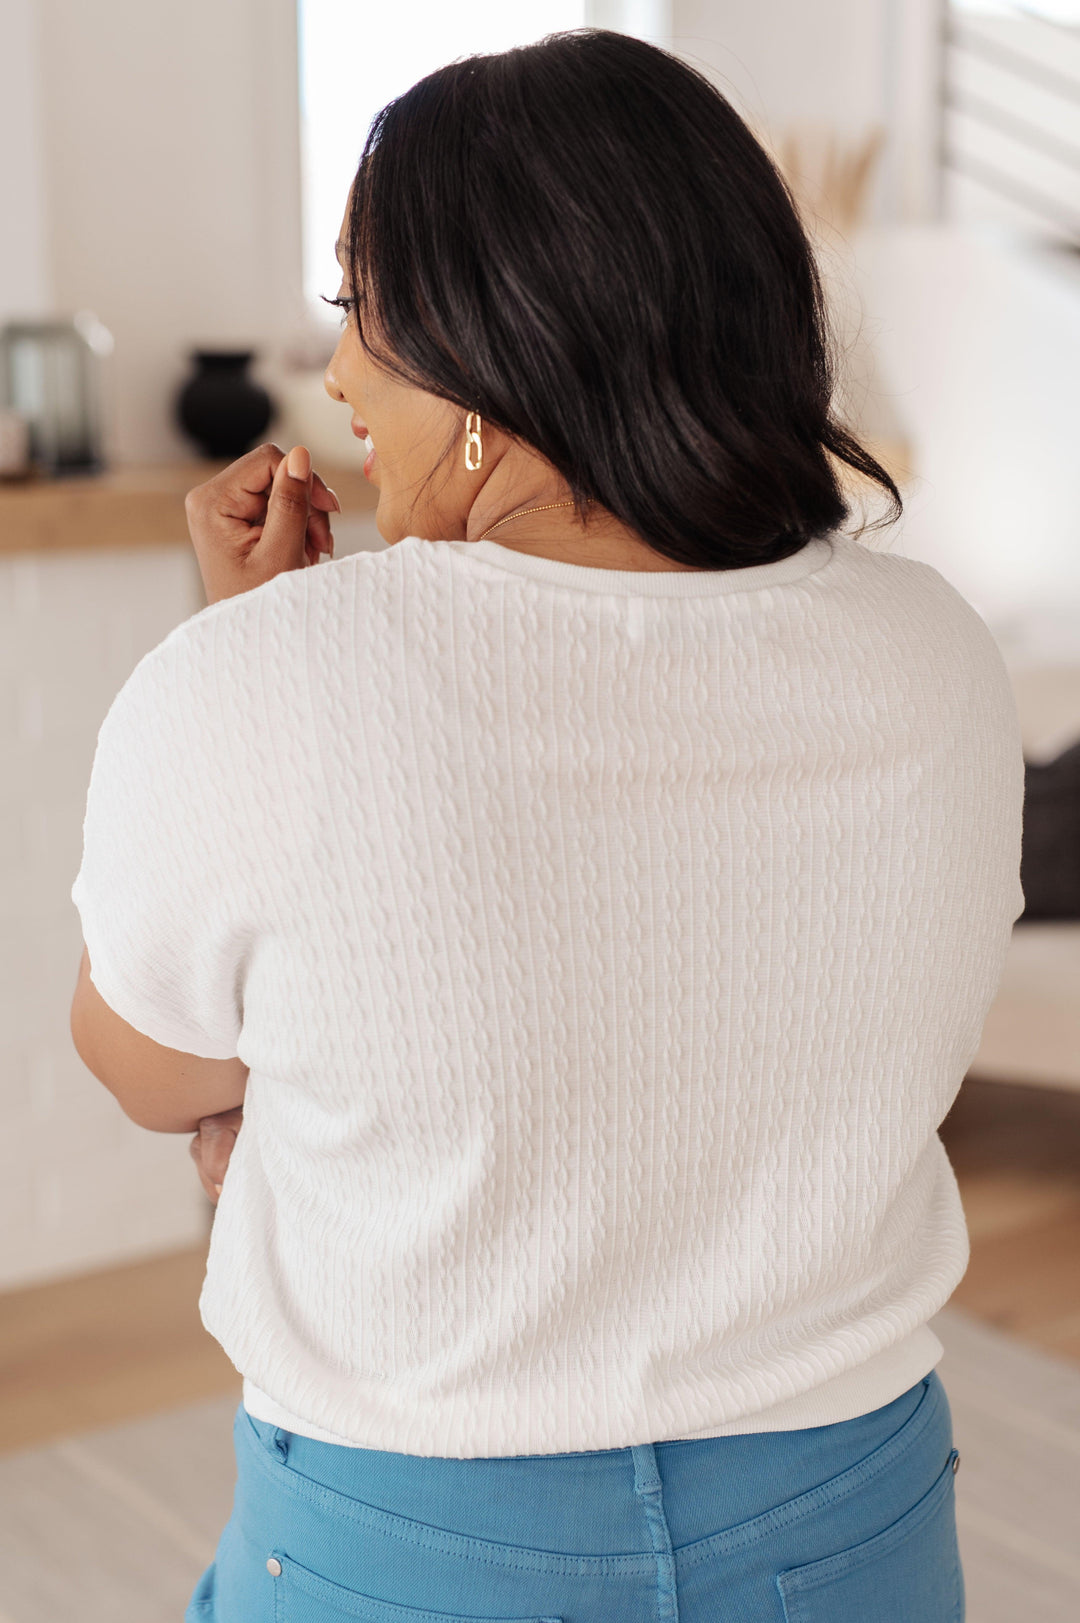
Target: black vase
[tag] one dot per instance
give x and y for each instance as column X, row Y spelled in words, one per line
column 220, row 407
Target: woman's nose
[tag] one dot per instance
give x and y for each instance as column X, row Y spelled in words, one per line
column 330, row 383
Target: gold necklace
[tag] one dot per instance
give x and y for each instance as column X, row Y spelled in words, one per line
column 524, row 513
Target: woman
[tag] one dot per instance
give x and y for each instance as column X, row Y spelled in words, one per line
column 601, row 891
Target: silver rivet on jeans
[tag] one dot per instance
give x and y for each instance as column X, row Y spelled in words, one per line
column 273, row 1567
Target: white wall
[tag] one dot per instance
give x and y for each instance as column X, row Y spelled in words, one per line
column 25, row 280
column 651, row 19
column 843, row 64
column 170, row 152
column 791, row 62
column 978, row 344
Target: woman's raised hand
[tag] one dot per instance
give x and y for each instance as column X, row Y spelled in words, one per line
column 263, row 514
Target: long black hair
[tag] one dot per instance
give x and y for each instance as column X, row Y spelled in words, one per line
column 582, row 241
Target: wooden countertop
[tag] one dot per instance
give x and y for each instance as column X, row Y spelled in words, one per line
column 127, row 507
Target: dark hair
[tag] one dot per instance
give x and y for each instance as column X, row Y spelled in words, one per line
column 582, row 241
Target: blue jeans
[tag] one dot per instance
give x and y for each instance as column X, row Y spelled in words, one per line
column 848, row 1523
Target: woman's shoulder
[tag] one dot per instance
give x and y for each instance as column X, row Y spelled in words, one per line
column 912, row 586
column 908, row 609
column 269, row 608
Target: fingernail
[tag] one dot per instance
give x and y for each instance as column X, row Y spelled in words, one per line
column 299, row 463
column 337, row 504
column 218, row 1188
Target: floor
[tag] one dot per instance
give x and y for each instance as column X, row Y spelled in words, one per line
column 106, row 1347
column 1016, row 1154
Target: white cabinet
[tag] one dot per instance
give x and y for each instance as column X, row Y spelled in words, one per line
column 81, row 1186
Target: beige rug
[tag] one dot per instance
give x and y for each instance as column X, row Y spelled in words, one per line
column 115, row 1526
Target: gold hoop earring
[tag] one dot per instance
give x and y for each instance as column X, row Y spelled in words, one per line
column 473, row 443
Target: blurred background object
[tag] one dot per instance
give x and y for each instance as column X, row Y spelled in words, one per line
column 1050, row 866
column 15, row 460
column 830, row 177
column 220, row 408
column 182, row 172
column 49, row 378
column 1011, row 115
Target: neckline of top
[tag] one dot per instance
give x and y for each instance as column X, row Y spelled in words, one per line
column 649, row 582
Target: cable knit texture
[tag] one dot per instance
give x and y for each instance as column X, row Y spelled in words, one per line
column 606, row 949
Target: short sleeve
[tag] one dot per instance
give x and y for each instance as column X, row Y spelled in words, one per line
column 160, row 887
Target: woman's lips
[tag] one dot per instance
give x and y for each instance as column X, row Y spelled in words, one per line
column 361, row 432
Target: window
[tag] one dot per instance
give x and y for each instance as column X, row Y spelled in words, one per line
column 1011, row 115
column 355, row 58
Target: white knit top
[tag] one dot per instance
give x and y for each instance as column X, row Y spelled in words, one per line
column 605, row 948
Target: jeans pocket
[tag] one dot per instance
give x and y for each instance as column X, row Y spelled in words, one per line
column 303, row 1597
column 909, row 1573
column 270, row 1438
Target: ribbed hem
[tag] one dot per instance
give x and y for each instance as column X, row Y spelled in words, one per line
column 642, row 583
column 858, row 1391
column 262, row 1407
